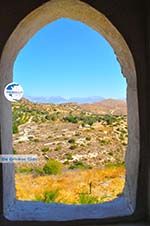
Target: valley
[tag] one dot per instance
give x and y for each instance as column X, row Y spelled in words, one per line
column 78, row 145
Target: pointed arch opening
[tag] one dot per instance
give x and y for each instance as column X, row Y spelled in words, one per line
column 79, row 11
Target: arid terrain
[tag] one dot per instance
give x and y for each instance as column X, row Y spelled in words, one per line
column 80, row 148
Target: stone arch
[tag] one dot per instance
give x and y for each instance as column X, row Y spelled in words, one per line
column 48, row 12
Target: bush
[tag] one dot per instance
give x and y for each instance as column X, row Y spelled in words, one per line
column 72, row 147
column 54, row 117
column 89, row 120
column 50, row 136
column 121, row 137
column 77, row 134
column 36, row 140
column 24, row 170
column 48, row 117
column 109, row 119
column 71, row 141
column 71, row 118
column 52, row 167
column 79, row 165
column 39, row 171
column 104, row 142
column 30, row 137
column 58, row 148
column 88, row 138
column 115, row 165
column 50, row 196
column 14, row 151
column 66, row 162
column 15, row 129
column 87, row 199
column 45, row 149
column 83, row 124
column 69, row 156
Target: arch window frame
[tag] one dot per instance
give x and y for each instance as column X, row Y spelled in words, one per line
column 35, row 211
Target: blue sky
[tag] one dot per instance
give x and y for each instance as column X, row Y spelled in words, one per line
column 69, row 59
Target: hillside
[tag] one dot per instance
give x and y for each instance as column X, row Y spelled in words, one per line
column 108, row 106
column 68, row 137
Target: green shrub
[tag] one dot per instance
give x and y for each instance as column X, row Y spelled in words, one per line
column 24, row 170
column 85, row 198
column 54, row 117
column 19, row 116
column 58, row 148
column 38, row 198
column 45, row 149
column 48, row 117
column 109, row 119
column 36, row 170
column 50, row 136
column 74, row 146
column 43, row 119
column 77, row 134
column 79, row 165
column 121, row 137
column 110, row 153
column 88, row 119
column 36, row 140
column 15, row 129
column 30, row 137
column 104, row 142
column 88, row 138
column 71, row 118
column 115, row 165
column 35, row 119
column 14, row 151
column 39, row 171
column 66, row 162
column 69, row 156
column 52, row 167
column 71, row 141
column 49, row 196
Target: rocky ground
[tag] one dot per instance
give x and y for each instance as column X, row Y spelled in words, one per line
column 96, row 144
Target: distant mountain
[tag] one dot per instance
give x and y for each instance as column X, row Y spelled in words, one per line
column 52, row 99
column 83, row 100
column 61, row 100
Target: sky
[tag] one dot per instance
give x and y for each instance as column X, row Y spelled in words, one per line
column 69, row 59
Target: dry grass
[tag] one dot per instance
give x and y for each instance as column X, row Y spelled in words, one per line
column 107, row 184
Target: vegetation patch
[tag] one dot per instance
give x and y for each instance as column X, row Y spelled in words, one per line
column 79, row 141
column 52, row 167
column 45, row 149
column 48, row 196
column 85, row 198
column 79, row 165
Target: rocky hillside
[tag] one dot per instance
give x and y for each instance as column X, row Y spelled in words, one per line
column 80, row 148
column 69, row 133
